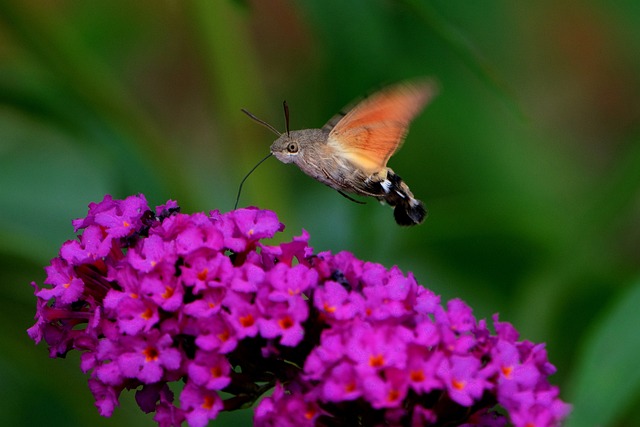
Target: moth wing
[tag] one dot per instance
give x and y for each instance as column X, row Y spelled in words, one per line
column 370, row 132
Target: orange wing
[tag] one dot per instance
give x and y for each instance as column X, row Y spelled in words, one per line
column 375, row 128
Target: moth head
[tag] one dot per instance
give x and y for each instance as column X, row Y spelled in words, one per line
column 287, row 148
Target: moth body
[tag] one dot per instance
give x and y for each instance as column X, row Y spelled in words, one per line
column 351, row 151
column 310, row 151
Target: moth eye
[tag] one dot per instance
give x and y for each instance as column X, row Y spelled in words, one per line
column 292, row 147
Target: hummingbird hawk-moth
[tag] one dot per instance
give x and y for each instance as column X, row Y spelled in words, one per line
column 350, row 152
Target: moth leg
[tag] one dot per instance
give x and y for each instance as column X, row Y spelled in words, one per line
column 351, row 198
column 337, row 184
column 330, row 178
column 359, row 190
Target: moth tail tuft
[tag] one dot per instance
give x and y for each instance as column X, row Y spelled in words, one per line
column 410, row 212
column 407, row 209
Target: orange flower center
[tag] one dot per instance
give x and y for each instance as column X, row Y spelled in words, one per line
column 393, row 395
column 150, row 354
column 168, row 292
column 417, row 376
column 376, row 361
column 147, row 314
column 216, row 372
column 310, row 412
column 329, row 308
column 202, row 275
column 247, row 321
column 506, row 371
column 350, row 387
column 224, row 335
column 208, row 402
column 458, row 385
column 285, row 323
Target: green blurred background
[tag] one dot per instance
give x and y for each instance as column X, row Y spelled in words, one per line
column 528, row 159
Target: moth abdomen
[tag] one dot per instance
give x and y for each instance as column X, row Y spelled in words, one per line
column 411, row 212
column 408, row 210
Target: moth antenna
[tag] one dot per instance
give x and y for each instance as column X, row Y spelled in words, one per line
column 262, row 122
column 286, row 115
column 250, row 172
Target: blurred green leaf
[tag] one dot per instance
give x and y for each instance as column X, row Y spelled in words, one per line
column 222, row 32
column 82, row 76
column 45, row 181
column 468, row 52
column 607, row 377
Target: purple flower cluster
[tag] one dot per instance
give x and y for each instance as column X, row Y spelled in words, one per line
column 201, row 302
